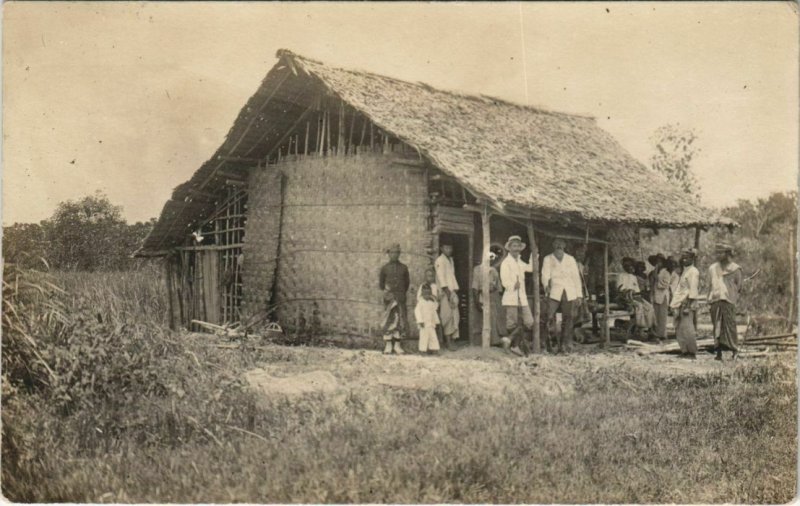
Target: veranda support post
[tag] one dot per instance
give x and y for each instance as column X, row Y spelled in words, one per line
column 486, row 330
column 537, row 305
column 606, row 331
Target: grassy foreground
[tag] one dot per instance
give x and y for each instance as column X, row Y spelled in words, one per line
column 579, row 429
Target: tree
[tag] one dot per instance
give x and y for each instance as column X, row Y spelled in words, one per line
column 675, row 149
column 90, row 234
column 762, row 216
column 25, row 244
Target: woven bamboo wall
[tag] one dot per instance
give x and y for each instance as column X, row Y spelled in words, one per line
column 624, row 242
column 261, row 239
column 339, row 215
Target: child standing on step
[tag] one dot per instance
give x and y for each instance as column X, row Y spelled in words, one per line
column 426, row 314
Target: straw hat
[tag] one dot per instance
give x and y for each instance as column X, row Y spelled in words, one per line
column 689, row 252
column 723, row 247
column 514, row 238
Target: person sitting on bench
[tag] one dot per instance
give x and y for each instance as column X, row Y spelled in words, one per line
column 630, row 294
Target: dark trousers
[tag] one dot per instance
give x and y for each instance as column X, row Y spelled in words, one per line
column 565, row 338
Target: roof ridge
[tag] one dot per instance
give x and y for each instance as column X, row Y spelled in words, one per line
column 479, row 97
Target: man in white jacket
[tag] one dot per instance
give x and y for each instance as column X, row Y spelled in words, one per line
column 515, row 299
column 562, row 288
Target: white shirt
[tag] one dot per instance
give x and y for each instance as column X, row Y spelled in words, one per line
column 562, row 277
column 445, row 272
column 627, row 281
column 513, row 270
column 688, row 286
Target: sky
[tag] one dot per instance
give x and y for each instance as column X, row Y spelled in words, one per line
column 131, row 98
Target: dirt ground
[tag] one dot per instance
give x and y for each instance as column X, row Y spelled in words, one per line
column 490, row 372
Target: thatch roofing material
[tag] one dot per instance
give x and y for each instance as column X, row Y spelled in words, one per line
column 509, row 154
column 515, row 154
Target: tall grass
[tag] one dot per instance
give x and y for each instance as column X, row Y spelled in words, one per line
column 202, row 436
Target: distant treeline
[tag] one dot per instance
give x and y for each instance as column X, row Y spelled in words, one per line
column 89, row 234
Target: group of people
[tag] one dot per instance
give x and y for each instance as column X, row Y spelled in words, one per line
column 437, row 309
column 672, row 286
column 436, row 312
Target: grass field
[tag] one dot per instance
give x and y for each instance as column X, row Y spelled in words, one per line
column 176, row 420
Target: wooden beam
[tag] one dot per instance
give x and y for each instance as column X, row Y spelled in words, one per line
column 410, row 163
column 486, row 331
column 230, row 175
column 537, row 305
column 340, row 139
column 237, row 159
column 697, row 238
column 201, row 193
column 308, row 128
column 606, row 331
column 170, row 292
column 258, row 112
column 210, row 247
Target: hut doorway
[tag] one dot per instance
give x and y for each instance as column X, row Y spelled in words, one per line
column 462, row 259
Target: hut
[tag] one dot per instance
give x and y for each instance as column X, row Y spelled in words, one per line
column 324, row 167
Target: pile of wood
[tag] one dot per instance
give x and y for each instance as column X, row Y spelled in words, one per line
column 756, row 343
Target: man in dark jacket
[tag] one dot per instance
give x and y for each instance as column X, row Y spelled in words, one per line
column 395, row 279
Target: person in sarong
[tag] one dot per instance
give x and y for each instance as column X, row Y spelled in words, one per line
column 394, row 277
column 427, row 316
column 659, row 291
column 495, row 328
column 629, row 293
column 725, row 280
column 640, row 271
column 684, row 304
column 391, row 325
column 448, row 298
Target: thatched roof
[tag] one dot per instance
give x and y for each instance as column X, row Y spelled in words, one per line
column 523, row 156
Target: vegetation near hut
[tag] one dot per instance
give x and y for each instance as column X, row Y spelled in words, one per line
column 88, row 234
column 107, row 406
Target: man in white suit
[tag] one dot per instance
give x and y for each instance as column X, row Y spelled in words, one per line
column 562, row 288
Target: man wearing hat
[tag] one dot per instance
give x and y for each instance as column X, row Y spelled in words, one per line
column 725, row 278
column 515, row 299
column 684, row 304
column 562, row 287
column 394, row 278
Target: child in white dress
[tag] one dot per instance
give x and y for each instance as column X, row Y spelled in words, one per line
column 427, row 316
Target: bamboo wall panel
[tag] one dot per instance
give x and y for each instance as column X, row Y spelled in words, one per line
column 262, row 232
column 339, row 216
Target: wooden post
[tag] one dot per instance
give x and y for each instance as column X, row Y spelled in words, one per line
column 305, row 148
column 486, row 331
column 170, row 291
column 340, row 140
column 537, row 304
column 792, row 319
column 697, row 238
column 352, row 127
column 606, row 315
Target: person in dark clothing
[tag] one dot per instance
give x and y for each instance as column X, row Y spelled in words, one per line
column 394, row 278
